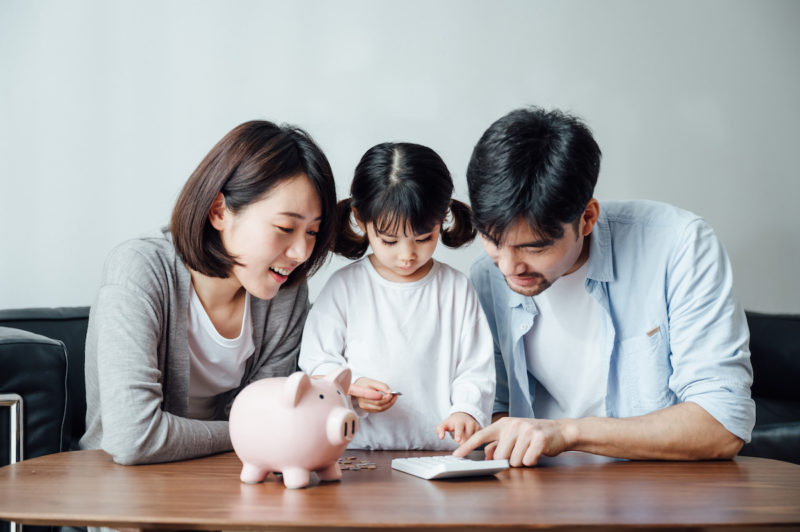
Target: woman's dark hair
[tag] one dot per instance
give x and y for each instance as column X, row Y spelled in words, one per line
column 246, row 165
column 535, row 164
column 397, row 184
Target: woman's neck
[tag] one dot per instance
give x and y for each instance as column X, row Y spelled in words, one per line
column 223, row 301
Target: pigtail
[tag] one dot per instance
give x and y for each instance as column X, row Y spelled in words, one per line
column 461, row 231
column 347, row 242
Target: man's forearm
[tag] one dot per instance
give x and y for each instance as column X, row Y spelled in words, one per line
column 680, row 432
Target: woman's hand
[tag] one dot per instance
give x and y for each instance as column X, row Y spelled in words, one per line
column 460, row 426
column 373, row 396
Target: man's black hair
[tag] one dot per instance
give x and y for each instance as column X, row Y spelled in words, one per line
column 535, row 164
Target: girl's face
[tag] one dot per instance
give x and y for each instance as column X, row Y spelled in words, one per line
column 272, row 236
column 403, row 257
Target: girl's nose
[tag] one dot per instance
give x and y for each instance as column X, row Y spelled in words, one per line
column 408, row 252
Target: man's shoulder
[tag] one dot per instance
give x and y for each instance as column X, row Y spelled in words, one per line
column 645, row 213
column 481, row 264
column 488, row 281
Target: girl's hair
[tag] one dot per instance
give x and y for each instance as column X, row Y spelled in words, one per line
column 399, row 184
column 245, row 166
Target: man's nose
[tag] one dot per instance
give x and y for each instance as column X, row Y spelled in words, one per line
column 508, row 262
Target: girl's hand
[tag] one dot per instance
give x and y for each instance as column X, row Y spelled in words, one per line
column 460, row 426
column 373, row 396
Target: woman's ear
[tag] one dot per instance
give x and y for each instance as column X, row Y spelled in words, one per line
column 217, row 212
column 359, row 223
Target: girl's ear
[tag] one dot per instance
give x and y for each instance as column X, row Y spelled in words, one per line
column 359, row 223
column 217, row 212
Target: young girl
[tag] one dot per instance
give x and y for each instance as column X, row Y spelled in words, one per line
column 401, row 321
column 188, row 316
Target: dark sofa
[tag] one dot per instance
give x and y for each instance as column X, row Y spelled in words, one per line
column 42, row 358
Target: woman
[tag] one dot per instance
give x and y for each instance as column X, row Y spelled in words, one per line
column 188, row 316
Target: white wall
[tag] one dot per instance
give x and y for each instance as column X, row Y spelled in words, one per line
column 107, row 106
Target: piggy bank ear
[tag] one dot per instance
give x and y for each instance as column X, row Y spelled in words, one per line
column 341, row 377
column 297, row 383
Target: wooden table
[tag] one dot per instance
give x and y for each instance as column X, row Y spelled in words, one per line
column 574, row 490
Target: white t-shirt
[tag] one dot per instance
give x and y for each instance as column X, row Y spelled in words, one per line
column 427, row 339
column 216, row 363
column 565, row 352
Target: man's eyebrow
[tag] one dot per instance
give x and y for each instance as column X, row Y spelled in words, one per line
column 298, row 216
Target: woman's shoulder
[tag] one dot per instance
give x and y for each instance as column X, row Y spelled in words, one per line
column 146, row 258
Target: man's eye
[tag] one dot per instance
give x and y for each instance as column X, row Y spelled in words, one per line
column 426, row 239
column 388, row 243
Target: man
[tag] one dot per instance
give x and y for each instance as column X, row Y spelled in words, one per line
column 615, row 326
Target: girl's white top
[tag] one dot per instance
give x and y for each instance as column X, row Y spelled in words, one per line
column 428, row 339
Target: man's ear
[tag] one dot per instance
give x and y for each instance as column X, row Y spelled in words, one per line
column 589, row 216
column 359, row 223
column 217, row 212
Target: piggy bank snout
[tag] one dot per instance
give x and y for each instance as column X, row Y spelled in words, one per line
column 342, row 425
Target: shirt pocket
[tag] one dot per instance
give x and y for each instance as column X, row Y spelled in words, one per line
column 643, row 371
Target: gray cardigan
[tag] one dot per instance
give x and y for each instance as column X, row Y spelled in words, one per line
column 137, row 356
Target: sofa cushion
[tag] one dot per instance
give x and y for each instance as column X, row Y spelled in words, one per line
column 35, row 367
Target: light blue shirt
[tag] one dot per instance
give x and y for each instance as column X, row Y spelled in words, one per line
column 672, row 329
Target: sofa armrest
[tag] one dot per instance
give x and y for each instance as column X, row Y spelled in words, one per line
column 13, row 402
column 35, row 368
column 68, row 325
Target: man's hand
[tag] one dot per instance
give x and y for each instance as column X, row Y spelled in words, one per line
column 373, row 396
column 460, row 425
column 520, row 440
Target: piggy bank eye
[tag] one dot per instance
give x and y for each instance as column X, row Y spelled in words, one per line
column 321, row 396
column 337, row 391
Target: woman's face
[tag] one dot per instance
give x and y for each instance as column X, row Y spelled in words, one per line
column 272, row 236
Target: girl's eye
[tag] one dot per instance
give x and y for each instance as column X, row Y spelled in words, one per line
column 426, row 239
column 386, row 242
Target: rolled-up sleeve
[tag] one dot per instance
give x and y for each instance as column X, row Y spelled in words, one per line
column 709, row 338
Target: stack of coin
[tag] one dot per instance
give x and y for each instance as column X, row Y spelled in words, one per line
column 352, row 463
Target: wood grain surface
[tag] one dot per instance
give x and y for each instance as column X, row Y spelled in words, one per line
column 574, row 490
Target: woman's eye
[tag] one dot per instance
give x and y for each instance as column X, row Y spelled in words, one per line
column 312, row 233
column 285, row 229
column 426, row 239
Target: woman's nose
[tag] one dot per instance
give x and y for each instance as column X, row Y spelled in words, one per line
column 300, row 248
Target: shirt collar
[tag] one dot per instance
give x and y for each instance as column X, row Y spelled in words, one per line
column 601, row 265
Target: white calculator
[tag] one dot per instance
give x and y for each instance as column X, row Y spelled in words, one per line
column 447, row 466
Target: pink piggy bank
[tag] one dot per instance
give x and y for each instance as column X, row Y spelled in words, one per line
column 294, row 425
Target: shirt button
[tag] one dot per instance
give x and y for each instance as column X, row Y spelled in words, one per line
column 522, row 327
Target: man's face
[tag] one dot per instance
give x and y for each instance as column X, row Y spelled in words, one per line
column 531, row 263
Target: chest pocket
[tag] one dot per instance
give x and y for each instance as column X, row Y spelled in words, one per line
column 643, row 372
